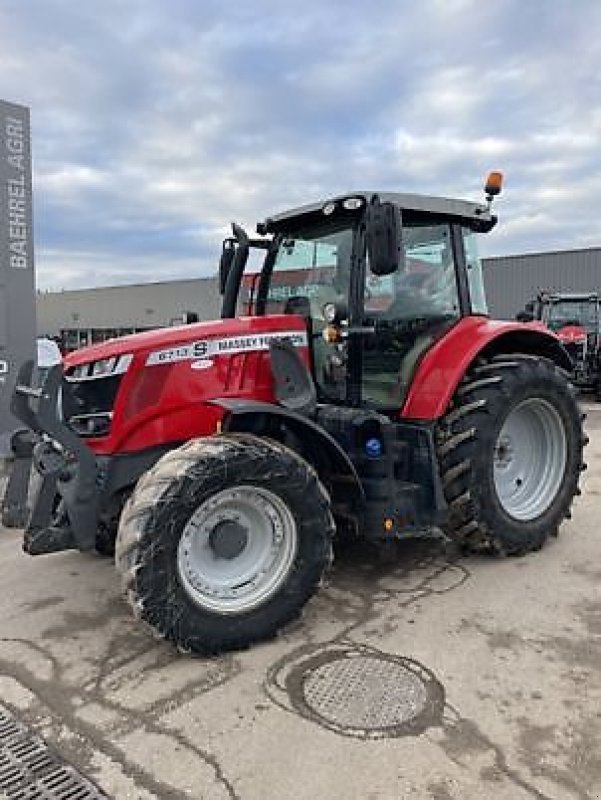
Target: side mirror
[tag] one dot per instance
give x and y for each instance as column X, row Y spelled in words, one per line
column 225, row 262
column 383, row 222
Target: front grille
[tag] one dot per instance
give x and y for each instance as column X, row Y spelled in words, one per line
column 95, row 395
column 88, row 405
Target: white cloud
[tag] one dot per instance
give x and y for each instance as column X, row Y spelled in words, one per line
column 152, row 134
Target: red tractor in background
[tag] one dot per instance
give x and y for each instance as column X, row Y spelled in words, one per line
column 576, row 320
column 376, row 399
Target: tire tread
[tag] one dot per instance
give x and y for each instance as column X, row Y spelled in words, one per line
column 468, row 429
column 185, row 470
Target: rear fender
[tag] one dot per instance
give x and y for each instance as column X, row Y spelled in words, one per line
column 444, row 365
column 300, row 433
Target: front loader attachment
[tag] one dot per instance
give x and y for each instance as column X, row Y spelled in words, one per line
column 57, row 501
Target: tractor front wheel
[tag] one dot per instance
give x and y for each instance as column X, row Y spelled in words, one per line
column 223, row 542
column 510, row 452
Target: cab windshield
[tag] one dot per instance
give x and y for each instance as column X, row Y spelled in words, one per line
column 312, row 268
column 426, row 287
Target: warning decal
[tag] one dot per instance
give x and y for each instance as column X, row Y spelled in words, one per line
column 209, row 348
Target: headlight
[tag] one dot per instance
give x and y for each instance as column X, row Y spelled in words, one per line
column 114, row 365
column 98, row 424
column 104, row 367
column 352, row 203
column 79, row 372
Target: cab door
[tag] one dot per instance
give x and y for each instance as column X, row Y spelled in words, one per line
column 409, row 309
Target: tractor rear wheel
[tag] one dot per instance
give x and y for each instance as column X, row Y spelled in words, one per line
column 223, row 542
column 510, row 453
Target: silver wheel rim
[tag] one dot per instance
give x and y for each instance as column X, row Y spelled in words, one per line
column 530, row 459
column 237, row 549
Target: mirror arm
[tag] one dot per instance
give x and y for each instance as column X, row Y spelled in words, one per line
column 228, row 250
column 234, row 278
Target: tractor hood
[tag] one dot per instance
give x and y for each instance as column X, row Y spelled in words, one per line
column 152, row 389
column 220, row 336
column 572, row 334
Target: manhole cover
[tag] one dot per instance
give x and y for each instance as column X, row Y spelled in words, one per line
column 29, row 771
column 365, row 692
column 362, row 692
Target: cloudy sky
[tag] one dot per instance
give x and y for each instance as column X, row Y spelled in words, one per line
column 155, row 123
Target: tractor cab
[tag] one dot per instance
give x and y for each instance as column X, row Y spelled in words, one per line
column 378, row 279
column 559, row 311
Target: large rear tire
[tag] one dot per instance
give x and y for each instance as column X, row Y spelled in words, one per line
column 510, row 453
column 223, row 542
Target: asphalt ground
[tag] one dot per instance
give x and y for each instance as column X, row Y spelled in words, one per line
column 415, row 673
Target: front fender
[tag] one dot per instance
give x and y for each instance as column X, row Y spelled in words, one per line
column 444, row 365
column 319, row 447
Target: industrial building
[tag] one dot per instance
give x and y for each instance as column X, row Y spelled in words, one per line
column 513, row 280
column 85, row 316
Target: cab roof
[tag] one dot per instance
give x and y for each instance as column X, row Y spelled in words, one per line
column 475, row 213
column 568, row 297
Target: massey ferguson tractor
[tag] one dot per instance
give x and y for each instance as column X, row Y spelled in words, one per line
column 576, row 319
column 367, row 395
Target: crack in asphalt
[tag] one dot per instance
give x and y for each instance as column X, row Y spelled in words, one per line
column 361, row 581
column 361, row 584
column 584, row 654
column 473, row 731
column 59, row 698
column 420, row 592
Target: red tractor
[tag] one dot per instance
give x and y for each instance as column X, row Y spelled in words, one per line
column 576, row 319
column 220, row 459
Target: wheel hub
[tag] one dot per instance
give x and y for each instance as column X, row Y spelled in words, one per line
column 237, row 549
column 503, row 452
column 228, row 539
column 530, row 458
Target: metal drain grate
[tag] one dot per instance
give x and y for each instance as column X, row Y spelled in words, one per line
column 359, row 691
column 29, row 771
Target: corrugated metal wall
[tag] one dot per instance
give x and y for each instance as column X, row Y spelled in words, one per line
column 513, row 280
column 510, row 282
column 149, row 305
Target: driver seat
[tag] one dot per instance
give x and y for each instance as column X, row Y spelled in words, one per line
column 298, row 304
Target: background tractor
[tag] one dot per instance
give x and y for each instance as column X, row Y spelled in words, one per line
column 364, row 392
column 576, row 320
